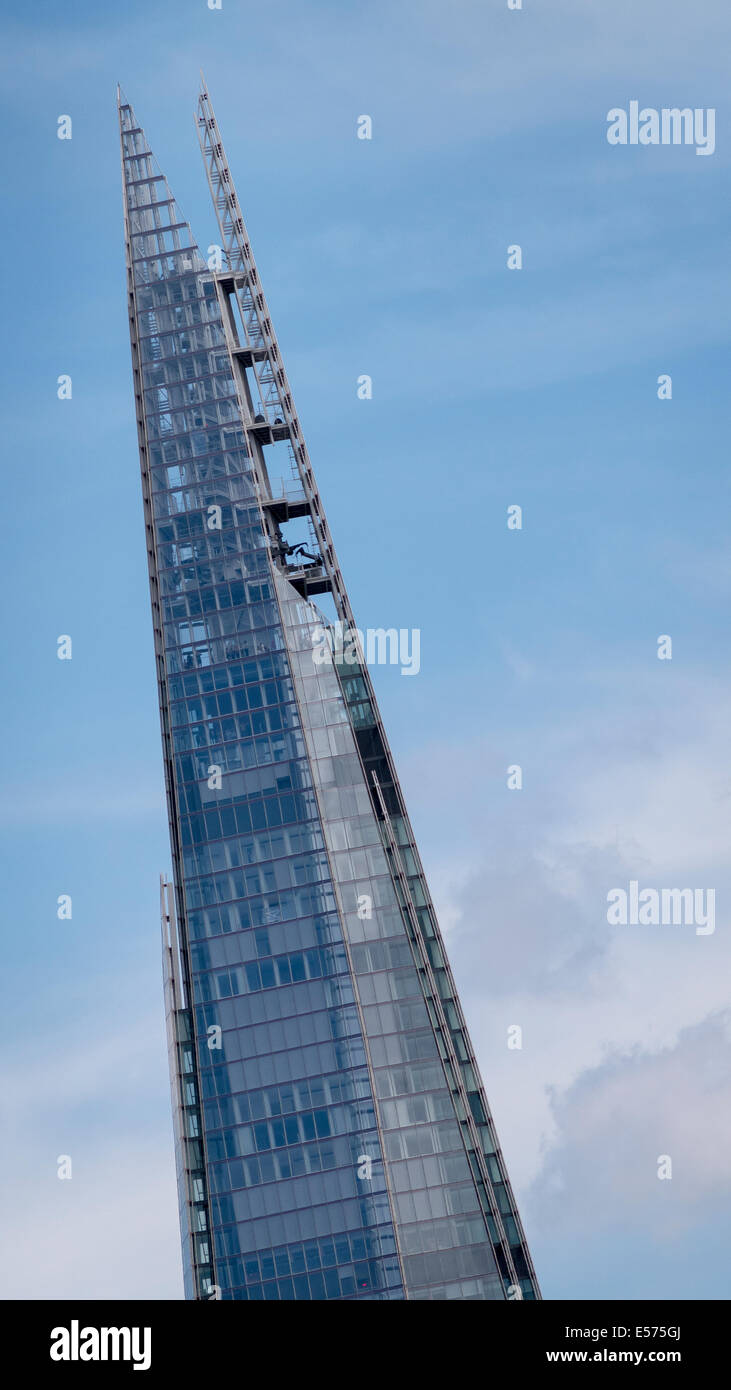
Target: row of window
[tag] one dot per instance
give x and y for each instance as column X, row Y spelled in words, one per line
column 381, row 955
column 277, row 939
column 388, row 985
column 325, row 1002
column 224, row 742
column 268, row 813
column 220, row 605
column 418, row 1142
column 191, row 657
column 354, row 1282
column 193, row 527
column 240, row 532
column 401, row 1081
column 273, row 1101
column 250, row 1031
column 298, row 845
column 300, row 1160
column 416, row 1110
column 247, row 741
column 270, row 974
column 228, row 442
column 251, row 1195
column 178, row 291
column 306, row 901
column 297, row 871
column 302, row 1257
column 393, row 1048
column 262, row 669
column 430, row 1203
column 245, row 786
column 184, row 517
column 270, row 1069
column 213, row 489
column 236, row 745
column 246, row 783
column 243, row 1038
column 442, row 1170
column 164, row 424
column 231, row 625
column 283, row 1195
column 189, row 521
column 189, row 565
column 349, row 1252
column 322, row 1037
column 229, row 747
column 244, row 696
column 215, row 923
column 324, row 1218
column 225, row 469
column 217, row 554
column 207, row 482
column 463, row 1290
column 190, row 395
column 175, row 464
column 253, row 849
column 421, row 1141
column 273, row 880
column 243, row 1141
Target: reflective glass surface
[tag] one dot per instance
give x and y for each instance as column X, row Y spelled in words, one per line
column 322, row 1148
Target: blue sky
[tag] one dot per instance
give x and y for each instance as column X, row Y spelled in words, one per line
column 538, row 647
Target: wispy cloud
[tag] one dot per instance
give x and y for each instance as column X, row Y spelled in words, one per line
column 617, row 1121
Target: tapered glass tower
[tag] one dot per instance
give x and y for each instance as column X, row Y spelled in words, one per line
column 333, row 1138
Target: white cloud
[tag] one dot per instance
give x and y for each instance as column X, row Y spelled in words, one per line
column 617, row 1120
column 111, row 1231
column 622, row 784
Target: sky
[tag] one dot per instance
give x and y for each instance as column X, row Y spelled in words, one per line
column 539, row 647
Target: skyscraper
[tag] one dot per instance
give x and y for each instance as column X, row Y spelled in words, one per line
column 333, row 1138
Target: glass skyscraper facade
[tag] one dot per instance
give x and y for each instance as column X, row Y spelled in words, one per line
column 333, row 1138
